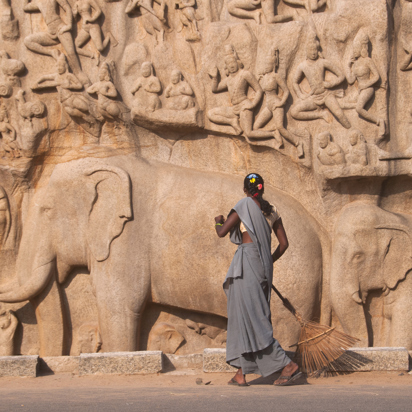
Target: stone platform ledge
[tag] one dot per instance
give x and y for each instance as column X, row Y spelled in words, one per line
column 182, row 362
column 120, row 363
column 355, row 360
column 26, row 366
column 372, row 359
column 59, row 364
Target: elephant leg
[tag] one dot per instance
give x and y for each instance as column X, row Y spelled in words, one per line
column 401, row 320
column 49, row 315
column 351, row 316
column 120, row 305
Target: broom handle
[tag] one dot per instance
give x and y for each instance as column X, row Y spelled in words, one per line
column 285, row 301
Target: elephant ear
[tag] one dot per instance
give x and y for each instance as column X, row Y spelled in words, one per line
column 396, row 257
column 109, row 210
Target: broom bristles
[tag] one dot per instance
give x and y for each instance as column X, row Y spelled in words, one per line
column 319, row 345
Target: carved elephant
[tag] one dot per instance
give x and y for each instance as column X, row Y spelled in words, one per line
column 145, row 231
column 372, row 251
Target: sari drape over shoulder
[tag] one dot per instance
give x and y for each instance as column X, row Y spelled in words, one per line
column 250, row 342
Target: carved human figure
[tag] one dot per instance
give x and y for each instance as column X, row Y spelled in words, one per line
column 309, row 5
column 187, row 18
column 29, row 110
column 179, row 93
column 154, row 23
column 90, row 11
column 249, row 9
column 8, row 135
column 310, row 106
column 358, row 151
column 362, row 69
column 237, row 83
column 329, row 153
column 57, row 32
column 271, row 82
column 150, row 89
column 405, row 34
column 67, row 85
column 106, row 93
column 5, row 217
column 11, row 69
column 8, row 325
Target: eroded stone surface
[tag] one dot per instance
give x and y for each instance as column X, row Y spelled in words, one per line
column 120, row 363
column 19, row 366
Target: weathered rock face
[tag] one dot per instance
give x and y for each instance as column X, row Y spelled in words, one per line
column 126, row 126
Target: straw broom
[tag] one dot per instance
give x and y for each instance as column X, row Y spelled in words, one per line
column 318, row 345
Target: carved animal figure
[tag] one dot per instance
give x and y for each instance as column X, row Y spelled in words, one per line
column 371, row 251
column 8, row 325
column 144, row 232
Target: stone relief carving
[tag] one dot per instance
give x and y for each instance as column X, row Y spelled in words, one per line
column 29, row 110
column 236, row 82
column 73, row 102
column 233, row 86
column 90, row 12
column 329, row 153
column 9, row 145
column 253, row 9
column 58, row 32
column 188, row 20
column 179, row 93
column 108, row 107
column 89, row 339
column 362, row 69
column 10, row 70
column 5, row 217
column 406, row 35
column 271, row 82
column 358, row 151
column 8, row 325
column 9, row 25
column 311, row 105
column 379, row 261
column 149, row 88
column 165, row 337
column 153, row 22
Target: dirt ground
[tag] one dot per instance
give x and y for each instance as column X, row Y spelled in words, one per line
column 188, row 379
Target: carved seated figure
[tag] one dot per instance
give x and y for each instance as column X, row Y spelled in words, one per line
column 89, row 339
column 329, row 153
column 106, row 93
column 179, row 93
column 237, row 82
column 150, row 86
column 11, row 69
column 66, row 84
column 358, row 152
column 8, row 325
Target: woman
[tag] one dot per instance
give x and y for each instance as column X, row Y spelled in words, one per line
column 251, row 346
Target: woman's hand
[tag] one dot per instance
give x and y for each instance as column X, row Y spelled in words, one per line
column 220, row 219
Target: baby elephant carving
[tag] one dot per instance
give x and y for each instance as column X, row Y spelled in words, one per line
column 8, row 325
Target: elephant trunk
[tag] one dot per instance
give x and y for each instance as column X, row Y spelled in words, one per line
column 32, row 287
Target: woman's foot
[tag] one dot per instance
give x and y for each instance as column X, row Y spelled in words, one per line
column 286, row 373
column 238, row 379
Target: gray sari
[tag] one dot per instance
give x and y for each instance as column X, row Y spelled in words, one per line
column 250, row 343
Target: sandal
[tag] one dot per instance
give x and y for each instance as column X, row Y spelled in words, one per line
column 235, row 383
column 289, row 379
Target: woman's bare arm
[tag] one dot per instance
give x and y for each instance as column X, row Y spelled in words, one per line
column 282, row 239
column 227, row 225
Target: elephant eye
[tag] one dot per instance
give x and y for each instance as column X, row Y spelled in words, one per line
column 357, row 257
